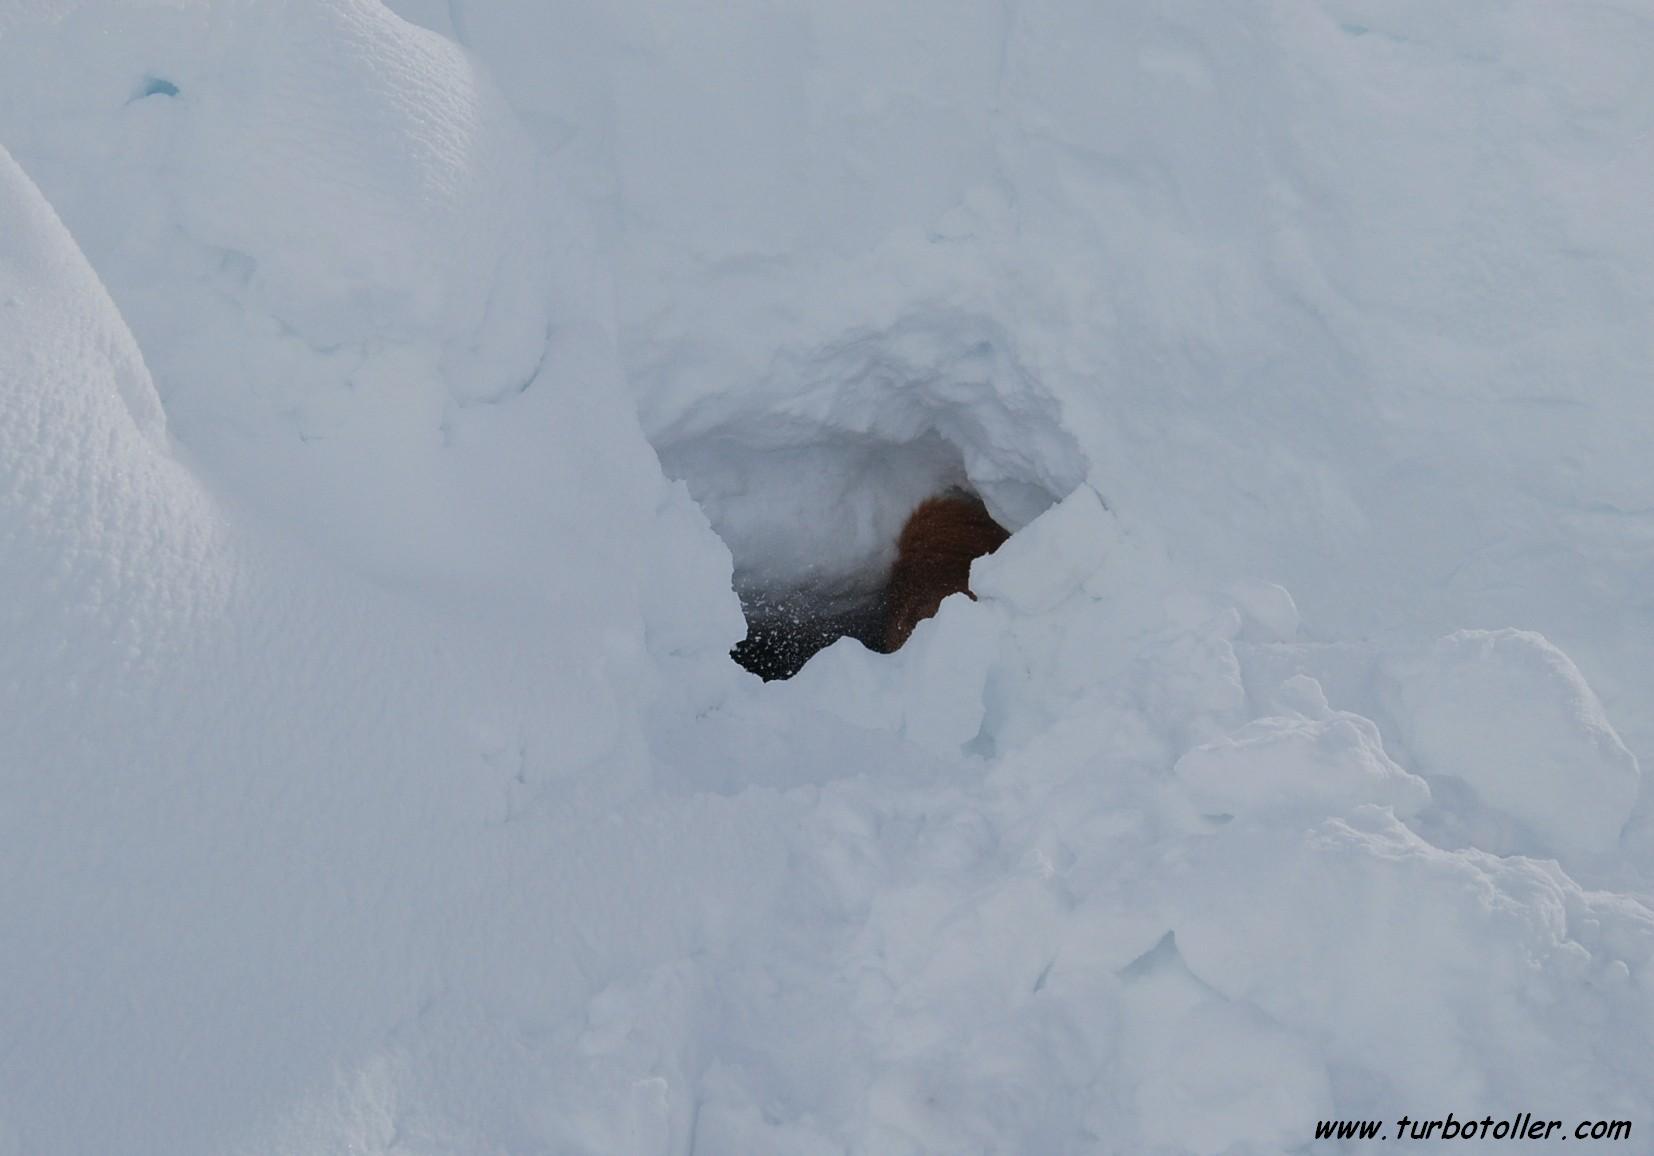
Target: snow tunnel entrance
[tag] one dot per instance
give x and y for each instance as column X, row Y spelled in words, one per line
column 810, row 481
column 938, row 542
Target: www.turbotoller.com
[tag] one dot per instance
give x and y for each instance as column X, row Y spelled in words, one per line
column 1524, row 1126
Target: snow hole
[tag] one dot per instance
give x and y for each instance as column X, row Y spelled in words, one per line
column 155, row 86
column 809, row 476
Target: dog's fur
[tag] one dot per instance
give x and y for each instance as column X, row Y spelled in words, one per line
column 933, row 560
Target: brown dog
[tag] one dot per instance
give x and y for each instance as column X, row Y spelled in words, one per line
column 933, row 560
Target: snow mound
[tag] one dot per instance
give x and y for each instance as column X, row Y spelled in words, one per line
column 51, row 291
column 93, row 511
column 1509, row 714
column 341, row 253
column 407, row 213
column 256, row 804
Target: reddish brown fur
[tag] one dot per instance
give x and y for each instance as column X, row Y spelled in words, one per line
column 933, row 560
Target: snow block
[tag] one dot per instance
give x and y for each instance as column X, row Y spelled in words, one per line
column 1051, row 558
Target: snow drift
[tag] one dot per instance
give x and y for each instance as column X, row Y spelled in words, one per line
column 389, row 415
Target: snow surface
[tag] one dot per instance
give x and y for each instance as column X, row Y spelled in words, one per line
column 391, row 405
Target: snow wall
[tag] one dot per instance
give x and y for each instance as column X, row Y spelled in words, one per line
column 390, row 405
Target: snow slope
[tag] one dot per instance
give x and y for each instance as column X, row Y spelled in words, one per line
column 259, row 812
column 374, row 778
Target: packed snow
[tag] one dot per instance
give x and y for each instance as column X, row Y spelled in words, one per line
column 395, row 407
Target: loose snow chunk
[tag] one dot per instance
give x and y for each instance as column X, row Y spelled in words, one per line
column 1330, row 762
column 1268, row 612
column 1046, row 561
column 1509, row 714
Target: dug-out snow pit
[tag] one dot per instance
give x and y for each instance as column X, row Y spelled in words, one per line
column 813, row 529
column 811, row 483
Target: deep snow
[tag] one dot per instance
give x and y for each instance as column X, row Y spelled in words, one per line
column 389, row 414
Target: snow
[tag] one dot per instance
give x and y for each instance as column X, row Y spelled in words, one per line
column 392, row 405
column 1556, row 765
column 1324, row 761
